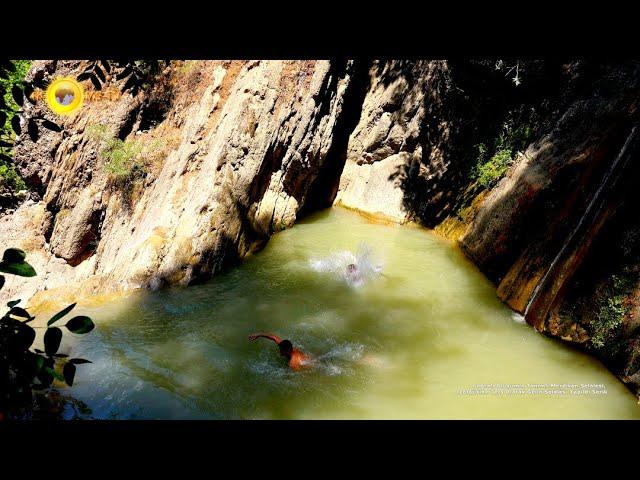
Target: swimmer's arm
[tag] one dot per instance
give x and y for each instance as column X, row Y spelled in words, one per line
column 270, row 336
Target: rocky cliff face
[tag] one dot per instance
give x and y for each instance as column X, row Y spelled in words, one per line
column 543, row 232
column 242, row 147
column 248, row 147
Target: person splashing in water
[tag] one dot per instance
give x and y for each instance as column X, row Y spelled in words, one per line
column 353, row 274
column 295, row 358
column 354, row 269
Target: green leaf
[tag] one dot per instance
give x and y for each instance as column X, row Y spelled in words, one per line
column 14, row 255
column 17, row 94
column 69, row 372
column 61, row 314
column 24, row 336
column 45, row 378
column 13, row 303
column 78, row 361
column 43, row 375
column 49, row 125
column 39, row 363
column 80, row 324
column 32, row 130
column 61, row 355
column 52, row 338
column 28, row 91
column 96, row 82
column 54, row 374
column 15, row 124
column 19, row 312
column 100, row 74
column 22, row 268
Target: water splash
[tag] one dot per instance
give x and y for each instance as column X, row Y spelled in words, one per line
column 338, row 264
column 340, row 359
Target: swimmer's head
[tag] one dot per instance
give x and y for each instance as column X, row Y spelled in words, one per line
column 351, row 268
column 286, row 348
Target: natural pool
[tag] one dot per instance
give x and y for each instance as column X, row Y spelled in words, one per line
column 412, row 343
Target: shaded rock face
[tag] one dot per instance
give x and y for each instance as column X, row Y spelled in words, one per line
column 410, row 156
column 555, row 198
column 599, row 307
column 542, row 228
column 557, row 235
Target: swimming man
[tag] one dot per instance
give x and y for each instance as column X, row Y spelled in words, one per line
column 353, row 274
column 295, row 358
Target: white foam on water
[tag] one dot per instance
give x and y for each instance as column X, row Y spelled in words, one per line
column 276, row 371
column 339, row 359
column 346, row 351
column 367, row 268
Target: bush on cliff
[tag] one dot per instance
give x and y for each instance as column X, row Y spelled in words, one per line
column 611, row 312
column 512, row 139
column 12, row 75
column 124, row 161
column 10, row 179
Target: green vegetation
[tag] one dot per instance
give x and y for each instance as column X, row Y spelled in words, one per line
column 489, row 169
column 611, row 313
column 8, row 81
column 124, row 160
column 27, row 374
column 610, row 317
column 11, row 92
column 10, row 179
column 488, row 172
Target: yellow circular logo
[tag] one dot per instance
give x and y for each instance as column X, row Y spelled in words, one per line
column 64, row 96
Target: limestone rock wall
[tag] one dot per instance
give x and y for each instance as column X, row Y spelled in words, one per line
column 242, row 144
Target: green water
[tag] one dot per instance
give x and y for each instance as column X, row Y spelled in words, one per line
column 409, row 344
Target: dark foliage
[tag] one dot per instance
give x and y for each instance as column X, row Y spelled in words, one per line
column 26, row 373
column 131, row 76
